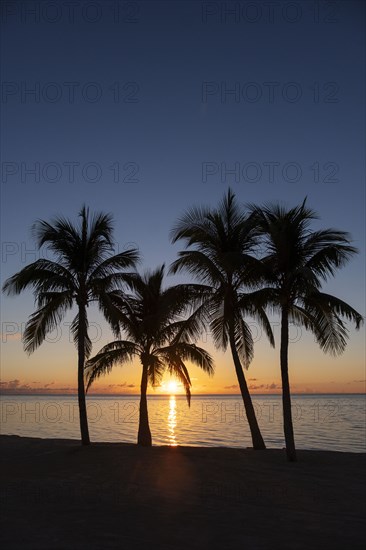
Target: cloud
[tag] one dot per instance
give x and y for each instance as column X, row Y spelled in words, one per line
column 359, row 381
column 16, row 387
column 272, row 386
column 252, row 379
column 123, row 385
column 10, row 385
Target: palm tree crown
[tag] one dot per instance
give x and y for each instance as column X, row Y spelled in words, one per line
column 298, row 261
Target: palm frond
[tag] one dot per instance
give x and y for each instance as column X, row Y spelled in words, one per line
column 325, row 312
column 327, row 256
column 243, row 341
column 155, row 370
column 45, row 319
column 108, row 305
column 123, row 260
column 254, row 304
column 191, row 226
column 60, row 236
column 341, row 308
column 178, row 369
column 118, row 352
column 199, row 265
column 42, row 275
column 175, row 355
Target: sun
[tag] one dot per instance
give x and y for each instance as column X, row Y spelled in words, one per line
column 172, row 387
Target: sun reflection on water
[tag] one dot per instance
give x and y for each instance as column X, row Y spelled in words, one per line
column 172, row 421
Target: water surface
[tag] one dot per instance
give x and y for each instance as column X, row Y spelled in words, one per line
column 328, row 422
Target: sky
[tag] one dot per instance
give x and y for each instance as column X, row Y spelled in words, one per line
column 144, row 109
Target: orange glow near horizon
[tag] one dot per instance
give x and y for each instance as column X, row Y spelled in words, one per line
column 52, row 370
column 171, row 387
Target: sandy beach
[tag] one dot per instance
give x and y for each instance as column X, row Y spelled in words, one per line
column 58, row 495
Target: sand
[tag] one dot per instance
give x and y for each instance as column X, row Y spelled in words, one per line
column 59, row 495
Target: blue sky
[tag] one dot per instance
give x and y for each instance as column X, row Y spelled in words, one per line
column 182, row 99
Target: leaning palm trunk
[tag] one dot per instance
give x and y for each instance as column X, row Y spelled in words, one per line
column 286, row 397
column 84, row 430
column 144, row 434
column 257, row 438
column 220, row 242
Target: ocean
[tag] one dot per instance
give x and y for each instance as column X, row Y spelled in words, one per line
column 326, row 422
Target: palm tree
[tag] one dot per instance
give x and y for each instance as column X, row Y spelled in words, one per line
column 298, row 260
column 152, row 320
column 222, row 240
column 82, row 271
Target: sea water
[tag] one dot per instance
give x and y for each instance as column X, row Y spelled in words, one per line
column 327, row 422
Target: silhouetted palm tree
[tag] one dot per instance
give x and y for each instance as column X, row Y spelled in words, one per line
column 82, row 271
column 156, row 333
column 298, row 260
column 222, row 240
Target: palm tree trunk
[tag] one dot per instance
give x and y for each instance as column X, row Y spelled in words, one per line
column 286, row 397
column 257, row 439
column 84, row 430
column 144, row 434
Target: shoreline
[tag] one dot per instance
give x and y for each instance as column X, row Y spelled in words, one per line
column 57, row 495
column 76, row 441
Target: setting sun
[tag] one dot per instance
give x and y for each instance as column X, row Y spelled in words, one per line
column 172, row 387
